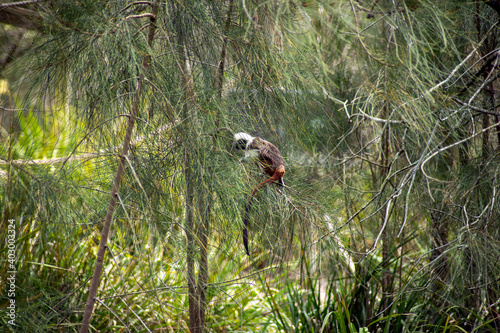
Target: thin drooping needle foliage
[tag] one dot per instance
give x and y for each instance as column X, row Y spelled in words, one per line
column 385, row 113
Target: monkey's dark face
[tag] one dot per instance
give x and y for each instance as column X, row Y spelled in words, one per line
column 242, row 141
column 240, row 144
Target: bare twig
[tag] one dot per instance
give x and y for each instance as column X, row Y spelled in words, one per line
column 440, row 150
column 19, row 3
column 379, row 120
column 475, row 108
column 140, row 16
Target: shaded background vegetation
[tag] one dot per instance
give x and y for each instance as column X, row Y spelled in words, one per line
column 386, row 115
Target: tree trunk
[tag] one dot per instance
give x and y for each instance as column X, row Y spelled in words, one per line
column 195, row 235
column 439, row 232
column 386, row 274
column 89, row 306
column 195, row 324
column 203, row 231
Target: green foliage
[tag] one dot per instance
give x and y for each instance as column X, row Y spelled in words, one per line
column 385, row 113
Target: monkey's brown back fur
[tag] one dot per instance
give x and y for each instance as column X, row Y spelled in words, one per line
column 269, row 157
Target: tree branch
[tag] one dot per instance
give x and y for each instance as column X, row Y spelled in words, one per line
column 11, row 13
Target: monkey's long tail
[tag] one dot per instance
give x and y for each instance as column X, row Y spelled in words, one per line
column 278, row 174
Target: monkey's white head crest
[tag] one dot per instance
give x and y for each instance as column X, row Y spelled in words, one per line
column 242, row 136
